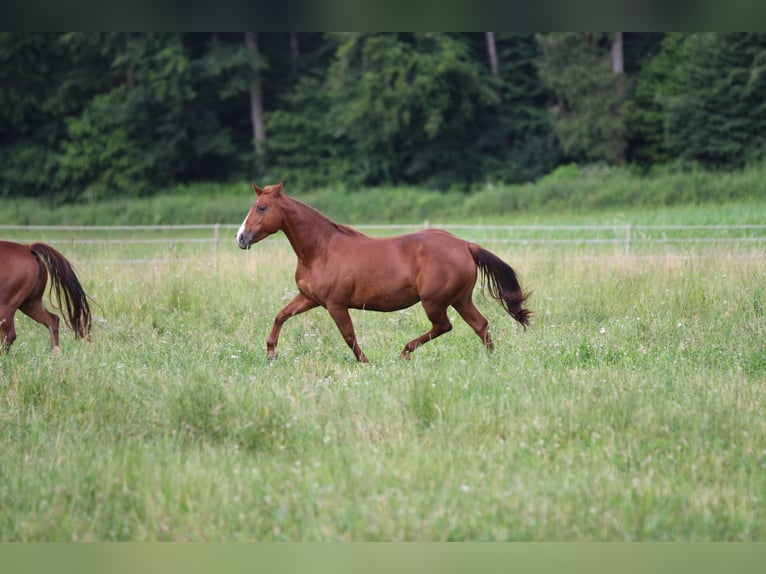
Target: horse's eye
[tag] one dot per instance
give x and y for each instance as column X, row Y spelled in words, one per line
column 261, row 208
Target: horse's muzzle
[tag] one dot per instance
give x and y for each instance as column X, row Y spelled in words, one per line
column 243, row 242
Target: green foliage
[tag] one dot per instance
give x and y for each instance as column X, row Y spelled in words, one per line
column 102, row 115
column 302, row 144
column 718, row 115
column 401, row 108
column 117, row 114
column 100, row 155
column 407, row 106
column 517, row 144
column 656, row 85
column 40, row 87
column 589, row 106
column 128, row 140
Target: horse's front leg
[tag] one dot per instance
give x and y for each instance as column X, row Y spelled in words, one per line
column 343, row 320
column 299, row 304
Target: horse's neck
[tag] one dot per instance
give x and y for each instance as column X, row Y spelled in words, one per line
column 308, row 231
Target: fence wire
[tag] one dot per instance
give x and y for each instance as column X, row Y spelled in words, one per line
column 123, row 242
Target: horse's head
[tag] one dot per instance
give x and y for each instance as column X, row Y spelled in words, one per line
column 264, row 217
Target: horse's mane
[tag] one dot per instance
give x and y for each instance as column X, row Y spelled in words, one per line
column 345, row 229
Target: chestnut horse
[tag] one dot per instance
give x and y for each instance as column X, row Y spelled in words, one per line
column 341, row 268
column 24, row 271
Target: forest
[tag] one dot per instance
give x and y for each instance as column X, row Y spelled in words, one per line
column 91, row 116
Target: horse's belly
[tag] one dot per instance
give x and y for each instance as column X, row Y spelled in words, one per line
column 382, row 293
column 368, row 290
column 385, row 302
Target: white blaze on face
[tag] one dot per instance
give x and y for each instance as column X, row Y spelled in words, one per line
column 241, row 232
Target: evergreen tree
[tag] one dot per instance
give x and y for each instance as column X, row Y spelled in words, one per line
column 718, row 115
column 588, row 108
column 655, row 85
column 518, row 144
column 302, row 147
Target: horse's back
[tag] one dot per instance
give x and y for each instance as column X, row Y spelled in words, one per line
column 408, row 252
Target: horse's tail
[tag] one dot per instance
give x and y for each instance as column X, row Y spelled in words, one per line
column 501, row 281
column 64, row 282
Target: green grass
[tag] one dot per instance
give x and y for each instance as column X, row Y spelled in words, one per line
column 632, row 409
column 586, row 192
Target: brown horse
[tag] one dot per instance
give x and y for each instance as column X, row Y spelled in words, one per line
column 340, row 268
column 24, row 271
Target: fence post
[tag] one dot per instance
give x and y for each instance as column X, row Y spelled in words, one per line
column 217, row 237
column 628, row 238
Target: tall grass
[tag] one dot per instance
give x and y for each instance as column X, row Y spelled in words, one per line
column 631, row 410
column 582, row 190
column 594, row 188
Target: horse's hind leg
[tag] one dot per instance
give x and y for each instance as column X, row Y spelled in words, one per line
column 34, row 308
column 7, row 330
column 440, row 324
column 476, row 320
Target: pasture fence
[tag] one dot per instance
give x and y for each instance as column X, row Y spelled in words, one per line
column 625, row 238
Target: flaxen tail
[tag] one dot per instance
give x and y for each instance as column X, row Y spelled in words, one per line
column 64, row 282
column 502, row 284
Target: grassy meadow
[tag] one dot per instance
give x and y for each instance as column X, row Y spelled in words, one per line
column 632, row 409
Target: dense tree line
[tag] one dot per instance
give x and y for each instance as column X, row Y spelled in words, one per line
column 91, row 115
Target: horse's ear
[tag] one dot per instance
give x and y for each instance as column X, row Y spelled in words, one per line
column 257, row 190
